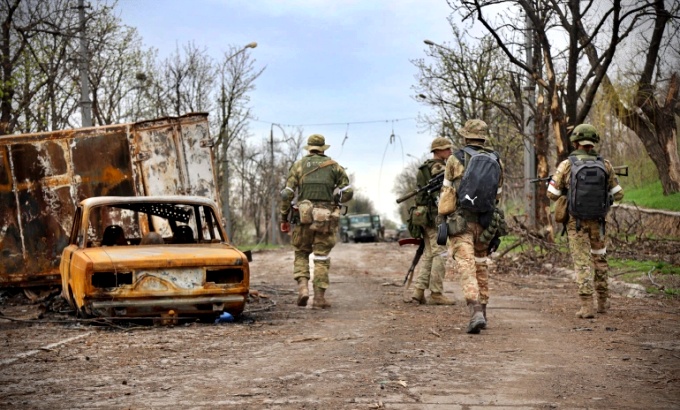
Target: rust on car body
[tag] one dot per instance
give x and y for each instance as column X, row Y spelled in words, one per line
column 43, row 176
column 200, row 274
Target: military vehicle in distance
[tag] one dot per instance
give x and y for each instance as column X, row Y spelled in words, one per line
column 361, row 228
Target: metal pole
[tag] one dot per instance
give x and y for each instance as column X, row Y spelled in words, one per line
column 226, row 206
column 529, row 149
column 272, row 222
column 85, row 103
column 225, row 160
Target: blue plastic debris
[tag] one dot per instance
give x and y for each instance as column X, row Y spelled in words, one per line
column 225, row 317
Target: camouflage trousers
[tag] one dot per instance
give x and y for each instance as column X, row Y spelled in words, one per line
column 432, row 263
column 587, row 246
column 470, row 256
column 306, row 241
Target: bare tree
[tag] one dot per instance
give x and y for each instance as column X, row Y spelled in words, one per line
column 571, row 75
column 184, row 82
column 40, row 85
column 237, row 75
column 117, row 60
column 471, row 79
column 360, row 204
column 34, row 47
column 405, row 183
column 653, row 110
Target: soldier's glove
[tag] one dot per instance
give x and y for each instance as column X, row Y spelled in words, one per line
column 439, row 219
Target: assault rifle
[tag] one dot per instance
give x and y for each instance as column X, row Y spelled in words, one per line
column 419, row 252
column 433, row 185
column 621, row 170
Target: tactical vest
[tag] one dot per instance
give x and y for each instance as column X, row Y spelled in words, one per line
column 423, row 177
column 316, row 181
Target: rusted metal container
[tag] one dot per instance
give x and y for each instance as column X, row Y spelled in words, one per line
column 43, row 176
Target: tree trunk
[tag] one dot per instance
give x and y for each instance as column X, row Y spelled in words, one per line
column 656, row 127
column 661, row 145
column 541, row 146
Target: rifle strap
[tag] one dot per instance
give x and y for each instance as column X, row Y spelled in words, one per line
column 322, row 165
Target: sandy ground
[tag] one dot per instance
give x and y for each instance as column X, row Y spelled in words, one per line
column 370, row 350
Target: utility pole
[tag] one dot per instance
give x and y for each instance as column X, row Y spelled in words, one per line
column 529, row 122
column 85, row 102
column 224, row 147
column 272, row 221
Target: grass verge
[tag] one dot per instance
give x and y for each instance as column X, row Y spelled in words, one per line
column 651, row 196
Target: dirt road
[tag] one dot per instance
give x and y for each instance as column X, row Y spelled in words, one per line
column 370, row 350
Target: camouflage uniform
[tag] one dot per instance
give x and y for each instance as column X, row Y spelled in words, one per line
column 432, row 268
column 587, row 244
column 315, row 177
column 466, row 248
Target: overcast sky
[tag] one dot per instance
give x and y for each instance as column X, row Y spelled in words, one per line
column 340, row 62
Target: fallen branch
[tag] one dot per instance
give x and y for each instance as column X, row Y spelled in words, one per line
column 649, row 275
column 511, row 247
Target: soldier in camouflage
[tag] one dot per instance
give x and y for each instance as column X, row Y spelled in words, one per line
column 320, row 180
column 587, row 241
column 433, row 261
column 467, row 250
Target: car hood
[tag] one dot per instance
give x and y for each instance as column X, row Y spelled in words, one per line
column 164, row 256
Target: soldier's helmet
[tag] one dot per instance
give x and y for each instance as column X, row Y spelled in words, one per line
column 316, row 142
column 585, row 134
column 440, row 143
column 475, row 130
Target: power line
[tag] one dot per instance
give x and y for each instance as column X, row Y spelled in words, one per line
column 335, row 123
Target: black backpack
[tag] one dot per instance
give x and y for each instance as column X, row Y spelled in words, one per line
column 588, row 194
column 479, row 186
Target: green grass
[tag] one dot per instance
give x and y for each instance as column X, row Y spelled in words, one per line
column 631, row 271
column 660, row 268
column 651, row 196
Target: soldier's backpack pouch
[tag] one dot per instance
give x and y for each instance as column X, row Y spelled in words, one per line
column 305, row 208
column 321, row 219
column 416, row 231
column 561, row 214
column 456, row 223
column 447, row 201
column 420, row 217
column 334, row 218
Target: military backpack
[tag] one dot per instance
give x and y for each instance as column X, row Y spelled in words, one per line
column 588, row 196
column 479, row 185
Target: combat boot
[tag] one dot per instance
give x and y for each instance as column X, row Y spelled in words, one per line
column 477, row 321
column 418, row 296
column 603, row 304
column 586, row 311
column 486, row 322
column 439, row 299
column 303, row 291
column 319, row 299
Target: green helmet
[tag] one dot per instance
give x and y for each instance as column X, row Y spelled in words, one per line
column 440, row 143
column 585, row 134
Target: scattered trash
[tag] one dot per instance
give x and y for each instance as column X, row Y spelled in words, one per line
column 225, row 317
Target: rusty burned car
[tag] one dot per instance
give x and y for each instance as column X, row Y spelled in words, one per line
column 162, row 256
